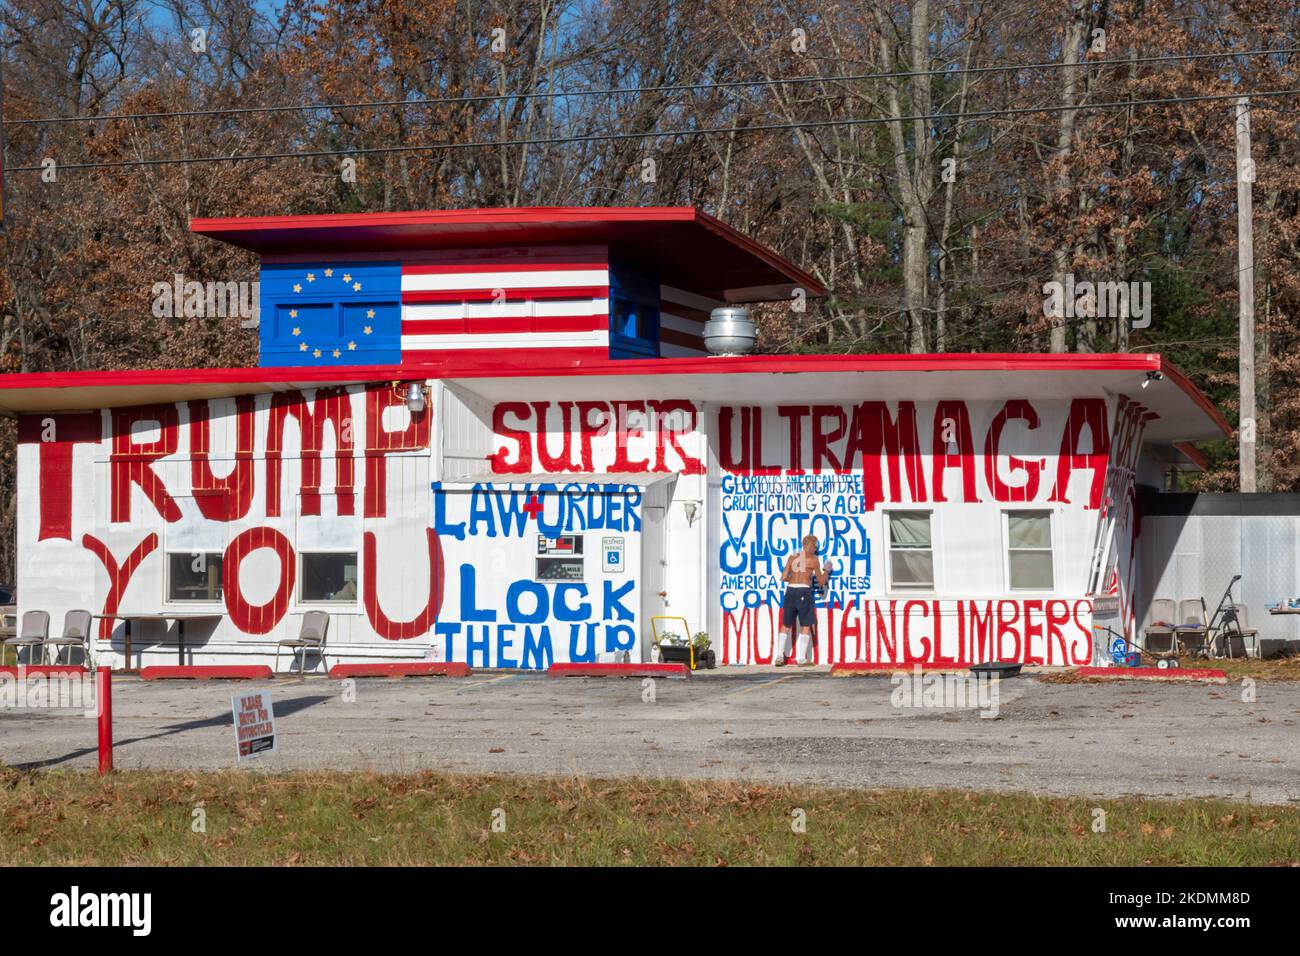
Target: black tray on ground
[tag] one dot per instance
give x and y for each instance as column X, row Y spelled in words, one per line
column 674, row 654
column 997, row 669
column 681, row 654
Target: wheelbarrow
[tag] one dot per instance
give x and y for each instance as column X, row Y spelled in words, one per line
column 1125, row 653
column 680, row 651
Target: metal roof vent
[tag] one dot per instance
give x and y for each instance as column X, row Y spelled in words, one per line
column 730, row 331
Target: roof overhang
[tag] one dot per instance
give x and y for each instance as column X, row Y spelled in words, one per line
column 80, row 391
column 1184, row 413
column 691, row 249
column 1184, row 456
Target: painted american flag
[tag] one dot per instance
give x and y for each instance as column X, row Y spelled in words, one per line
column 478, row 304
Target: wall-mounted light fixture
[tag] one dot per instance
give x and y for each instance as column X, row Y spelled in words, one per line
column 1152, row 377
column 415, row 398
column 692, row 509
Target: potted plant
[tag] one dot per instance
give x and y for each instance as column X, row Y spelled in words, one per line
column 704, row 656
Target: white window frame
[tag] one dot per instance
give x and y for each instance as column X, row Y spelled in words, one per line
column 890, row 586
column 1050, row 514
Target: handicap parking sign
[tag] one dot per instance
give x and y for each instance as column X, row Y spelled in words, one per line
column 612, row 551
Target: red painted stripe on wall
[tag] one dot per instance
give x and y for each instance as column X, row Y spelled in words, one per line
column 469, row 358
column 684, row 339
column 499, row 265
column 558, row 323
column 503, row 294
column 683, row 312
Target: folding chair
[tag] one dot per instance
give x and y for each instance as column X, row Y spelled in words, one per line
column 1226, row 637
column 33, row 634
column 76, row 633
column 1192, row 631
column 310, row 636
column 1158, row 636
column 1248, row 633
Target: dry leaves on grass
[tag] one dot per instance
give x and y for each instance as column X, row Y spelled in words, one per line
column 1150, row 829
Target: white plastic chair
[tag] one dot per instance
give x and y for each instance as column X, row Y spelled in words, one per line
column 311, row 636
column 1192, row 628
column 1158, row 636
column 34, row 632
column 76, row 633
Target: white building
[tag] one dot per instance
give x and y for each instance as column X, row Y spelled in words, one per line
column 578, row 465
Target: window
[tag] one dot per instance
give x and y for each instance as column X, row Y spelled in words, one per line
column 194, row 576
column 633, row 311
column 1029, row 550
column 911, row 553
column 629, row 320
column 329, row 576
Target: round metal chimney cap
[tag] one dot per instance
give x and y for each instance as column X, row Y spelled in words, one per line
column 730, row 331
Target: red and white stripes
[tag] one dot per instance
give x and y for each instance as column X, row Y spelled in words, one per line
column 681, row 322
column 481, row 301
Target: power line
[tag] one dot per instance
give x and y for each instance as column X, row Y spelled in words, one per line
column 658, row 134
column 670, row 88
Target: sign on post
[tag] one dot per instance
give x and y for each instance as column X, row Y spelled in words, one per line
column 254, row 723
column 612, row 549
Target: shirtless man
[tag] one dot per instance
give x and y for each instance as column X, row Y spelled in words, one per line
column 797, row 608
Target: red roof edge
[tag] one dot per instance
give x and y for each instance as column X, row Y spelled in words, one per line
column 1193, row 454
column 341, row 220
column 243, row 375
column 227, row 229
column 533, row 365
column 1176, row 375
column 735, row 236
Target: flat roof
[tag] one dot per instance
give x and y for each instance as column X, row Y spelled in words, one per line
column 1185, row 413
column 691, row 249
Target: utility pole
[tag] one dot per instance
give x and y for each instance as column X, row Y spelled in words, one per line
column 1245, row 298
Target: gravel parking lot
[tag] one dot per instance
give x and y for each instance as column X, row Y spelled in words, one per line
column 1107, row 740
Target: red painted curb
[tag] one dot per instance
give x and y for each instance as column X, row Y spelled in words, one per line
column 43, row 670
column 207, row 672
column 1153, row 673
column 849, row 668
column 618, row 670
column 400, row 669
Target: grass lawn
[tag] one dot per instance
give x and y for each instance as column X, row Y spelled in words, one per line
column 345, row 819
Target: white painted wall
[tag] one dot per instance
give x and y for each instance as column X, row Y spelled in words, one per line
column 511, row 450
